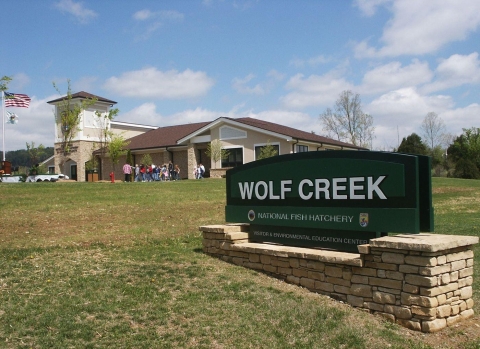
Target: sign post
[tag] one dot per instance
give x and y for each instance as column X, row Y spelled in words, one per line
column 331, row 199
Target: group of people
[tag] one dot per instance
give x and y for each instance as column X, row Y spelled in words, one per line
column 199, row 171
column 151, row 173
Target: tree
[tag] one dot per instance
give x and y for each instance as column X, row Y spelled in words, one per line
column 466, row 147
column 116, row 148
column 433, row 130
column 35, row 153
column 4, row 82
column 267, row 151
column 69, row 116
column 129, row 159
column 216, row 152
column 103, row 121
column 348, row 122
column 146, row 160
column 92, row 164
column 413, row 145
column 22, row 158
column 466, row 169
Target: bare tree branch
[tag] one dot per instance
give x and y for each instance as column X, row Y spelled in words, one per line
column 433, row 129
column 348, row 122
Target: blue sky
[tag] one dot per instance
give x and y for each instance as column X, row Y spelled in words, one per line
column 174, row 62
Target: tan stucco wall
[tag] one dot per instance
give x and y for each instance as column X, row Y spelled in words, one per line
column 92, row 133
column 249, row 143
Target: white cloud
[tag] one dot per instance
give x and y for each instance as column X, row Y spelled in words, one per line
column 207, row 2
column 312, row 62
column 196, row 115
column 82, row 14
column 407, row 104
column 170, row 15
column 144, row 114
column 369, row 7
column 152, row 83
column 243, row 5
column 156, row 20
column 393, row 76
column 241, row 84
column 457, row 119
column 142, row 15
column 455, row 71
column 391, row 129
column 421, row 27
column 147, row 114
column 387, row 138
column 86, row 83
column 294, row 119
column 401, row 112
column 275, row 75
column 314, row 90
column 19, row 82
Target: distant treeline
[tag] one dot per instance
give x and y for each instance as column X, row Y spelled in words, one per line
column 23, row 158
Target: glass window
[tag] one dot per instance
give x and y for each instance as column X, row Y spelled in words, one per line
column 302, row 148
column 259, row 148
column 235, row 158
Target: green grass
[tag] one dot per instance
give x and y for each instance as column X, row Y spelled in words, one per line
column 100, row 265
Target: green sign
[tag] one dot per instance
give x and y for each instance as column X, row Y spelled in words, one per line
column 329, row 193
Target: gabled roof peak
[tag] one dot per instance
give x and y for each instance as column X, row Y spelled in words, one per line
column 83, row 95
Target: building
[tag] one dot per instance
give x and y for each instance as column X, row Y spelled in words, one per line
column 88, row 135
column 184, row 145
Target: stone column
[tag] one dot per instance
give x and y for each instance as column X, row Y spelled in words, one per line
column 192, row 160
column 436, row 276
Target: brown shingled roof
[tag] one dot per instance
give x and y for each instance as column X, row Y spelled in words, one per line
column 169, row 136
column 163, row 136
column 292, row 132
column 84, row 95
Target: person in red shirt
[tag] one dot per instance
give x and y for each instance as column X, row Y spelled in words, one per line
column 143, row 171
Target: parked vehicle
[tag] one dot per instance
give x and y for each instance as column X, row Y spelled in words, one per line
column 11, row 179
column 42, row 178
column 7, row 177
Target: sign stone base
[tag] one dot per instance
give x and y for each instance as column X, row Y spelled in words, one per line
column 422, row 281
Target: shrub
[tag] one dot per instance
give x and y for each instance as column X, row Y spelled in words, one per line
column 466, row 169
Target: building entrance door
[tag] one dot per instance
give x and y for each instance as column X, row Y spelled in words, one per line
column 73, row 172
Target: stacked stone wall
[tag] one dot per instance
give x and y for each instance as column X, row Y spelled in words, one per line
column 219, row 172
column 80, row 154
column 421, row 281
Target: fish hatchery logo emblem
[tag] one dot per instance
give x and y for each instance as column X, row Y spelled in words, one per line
column 363, row 220
column 251, row 215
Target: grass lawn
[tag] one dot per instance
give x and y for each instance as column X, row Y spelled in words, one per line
column 101, row 265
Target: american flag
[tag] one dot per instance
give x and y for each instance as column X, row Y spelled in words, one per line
column 16, row 100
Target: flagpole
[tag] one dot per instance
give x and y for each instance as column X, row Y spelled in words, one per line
column 3, row 124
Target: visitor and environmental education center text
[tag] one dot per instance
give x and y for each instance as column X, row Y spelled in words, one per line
column 311, row 238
